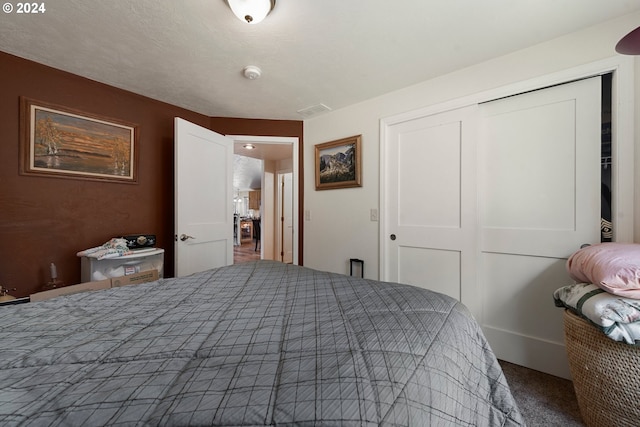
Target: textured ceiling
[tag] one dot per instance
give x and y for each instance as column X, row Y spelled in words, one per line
column 247, row 173
column 335, row 52
column 247, row 163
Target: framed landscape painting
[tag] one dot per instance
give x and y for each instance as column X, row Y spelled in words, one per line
column 338, row 163
column 61, row 142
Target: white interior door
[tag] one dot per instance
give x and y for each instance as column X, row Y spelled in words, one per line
column 539, row 196
column 203, row 199
column 287, row 217
column 429, row 228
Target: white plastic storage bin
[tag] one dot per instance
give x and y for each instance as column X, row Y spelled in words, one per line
column 93, row 269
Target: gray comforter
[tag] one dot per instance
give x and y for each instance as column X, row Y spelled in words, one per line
column 253, row 344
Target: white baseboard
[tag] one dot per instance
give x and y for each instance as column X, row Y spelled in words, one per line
column 530, row 352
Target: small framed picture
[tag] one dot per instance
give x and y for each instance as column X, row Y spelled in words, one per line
column 57, row 141
column 338, row 163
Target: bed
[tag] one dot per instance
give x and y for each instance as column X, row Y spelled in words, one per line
column 253, row 344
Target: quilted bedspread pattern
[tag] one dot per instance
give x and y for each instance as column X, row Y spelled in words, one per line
column 252, row 344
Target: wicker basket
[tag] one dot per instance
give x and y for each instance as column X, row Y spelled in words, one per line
column 606, row 375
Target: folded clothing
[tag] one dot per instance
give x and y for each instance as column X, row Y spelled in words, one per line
column 614, row 267
column 617, row 317
column 113, row 248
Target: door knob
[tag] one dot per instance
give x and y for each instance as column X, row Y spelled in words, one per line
column 184, row 237
column 392, row 237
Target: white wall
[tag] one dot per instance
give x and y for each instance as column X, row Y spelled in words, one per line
column 339, row 225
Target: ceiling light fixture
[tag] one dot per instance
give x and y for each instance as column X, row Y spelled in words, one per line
column 251, row 11
column 249, row 146
column 630, row 44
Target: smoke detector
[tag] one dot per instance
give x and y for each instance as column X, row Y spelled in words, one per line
column 252, row 72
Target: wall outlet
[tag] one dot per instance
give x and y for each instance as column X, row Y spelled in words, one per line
column 373, row 214
column 307, row 215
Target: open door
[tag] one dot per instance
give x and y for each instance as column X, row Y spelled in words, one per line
column 285, row 215
column 203, row 199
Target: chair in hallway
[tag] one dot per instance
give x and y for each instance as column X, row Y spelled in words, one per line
column 256, row 232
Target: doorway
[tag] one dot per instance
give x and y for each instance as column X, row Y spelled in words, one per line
column 275, row 155
column 247, row 186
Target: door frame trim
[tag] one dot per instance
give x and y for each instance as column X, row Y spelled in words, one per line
column 622, row 139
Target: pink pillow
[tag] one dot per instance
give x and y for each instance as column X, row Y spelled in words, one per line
column 614, row 267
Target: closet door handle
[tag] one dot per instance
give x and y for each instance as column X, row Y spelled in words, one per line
column 392, row 237
column 185, row 237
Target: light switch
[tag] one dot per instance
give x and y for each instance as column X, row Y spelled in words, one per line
column 374, row 214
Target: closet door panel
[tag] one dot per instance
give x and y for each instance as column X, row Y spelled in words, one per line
column 435, row 152
column 529, row 168
column 429, row 224
column 539, row 200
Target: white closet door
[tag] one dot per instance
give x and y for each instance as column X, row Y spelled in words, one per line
column 429, row 226
column 539, row 200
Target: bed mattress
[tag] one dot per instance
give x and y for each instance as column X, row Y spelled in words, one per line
column 253, row 344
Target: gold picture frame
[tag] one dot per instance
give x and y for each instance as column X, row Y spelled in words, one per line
column 338, row 163
column 57, row 141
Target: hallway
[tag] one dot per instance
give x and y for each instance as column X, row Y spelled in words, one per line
column 246, row 252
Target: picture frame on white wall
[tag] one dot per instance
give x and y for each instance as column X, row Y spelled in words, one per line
column 339, row 163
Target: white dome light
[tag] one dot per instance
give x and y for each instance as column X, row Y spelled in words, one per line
column 251, row 11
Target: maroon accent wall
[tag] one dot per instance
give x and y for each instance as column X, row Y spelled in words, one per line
column 48, row 219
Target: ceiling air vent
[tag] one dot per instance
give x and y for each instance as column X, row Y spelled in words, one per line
column 313, row 110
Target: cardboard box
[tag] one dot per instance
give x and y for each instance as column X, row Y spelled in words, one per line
column 116, row 282
column 134, row 279
column 73, row 289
